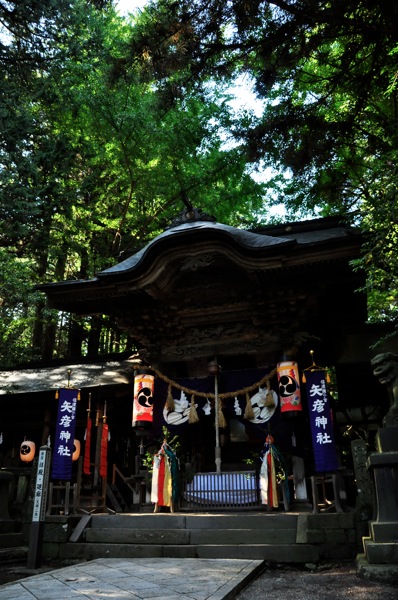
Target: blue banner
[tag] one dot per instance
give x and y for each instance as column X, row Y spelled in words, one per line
column 64, row 435
column 321, row 422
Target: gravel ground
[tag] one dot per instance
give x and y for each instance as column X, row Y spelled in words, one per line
column 326, row 582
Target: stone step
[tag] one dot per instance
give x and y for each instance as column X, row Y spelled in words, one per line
column 171, row 521
column 13, row 554
column 284, row 553
column 190, row 536
column 277, row 537
column 10, row 540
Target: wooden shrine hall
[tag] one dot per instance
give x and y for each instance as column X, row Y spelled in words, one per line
column 214, row 311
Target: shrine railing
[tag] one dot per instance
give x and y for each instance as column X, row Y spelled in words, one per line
column 214, row 491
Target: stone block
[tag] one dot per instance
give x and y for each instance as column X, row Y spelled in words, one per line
column 337, row 552
column 351, row 536
column 302, row 528
column 336, row 536
column 139, row 521
column 50, row 550
column 80, row 551
column 315, row 536
column 56, row 532
column 7, row 526
column 180, row 552
column 387, row 439
column 136, row 536
column 331, row 521
column 384, row 553
column 384, row 531
column 376, row 572
column 242, row 536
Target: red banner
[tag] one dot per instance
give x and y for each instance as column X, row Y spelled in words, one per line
column 104, row 451
column 87, row 449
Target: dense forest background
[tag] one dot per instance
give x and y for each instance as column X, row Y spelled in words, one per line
column 111, row 124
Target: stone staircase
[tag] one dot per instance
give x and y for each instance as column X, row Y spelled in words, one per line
column 12, row 545
column 277, row 537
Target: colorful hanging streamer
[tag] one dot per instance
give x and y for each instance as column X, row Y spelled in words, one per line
column 164, row 490
column 272, row 468
column 161, row 481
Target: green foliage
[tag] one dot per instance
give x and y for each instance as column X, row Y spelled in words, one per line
column 327, row 76
column 18, row 303
column 95, row 153
column 172, row 440
column 109, row 123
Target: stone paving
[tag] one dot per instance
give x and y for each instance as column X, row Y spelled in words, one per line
column 138, row 579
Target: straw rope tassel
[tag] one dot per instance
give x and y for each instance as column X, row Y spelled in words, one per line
column 170, row 400
column 269, row 398
column 249, row 412
column 221, row 419
column 193, row 415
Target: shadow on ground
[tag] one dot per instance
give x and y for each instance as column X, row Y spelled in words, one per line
column 328, row 581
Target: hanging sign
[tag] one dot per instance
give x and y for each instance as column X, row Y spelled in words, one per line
column 65, row 434
column 143, row 400
column 41, row 485
column 289, row 386
column 320, row 415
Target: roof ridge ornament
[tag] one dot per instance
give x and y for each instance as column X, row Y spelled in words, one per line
column 190, row 215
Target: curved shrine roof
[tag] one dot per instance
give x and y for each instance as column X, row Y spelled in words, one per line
column 245, row 240
column 186, row 246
